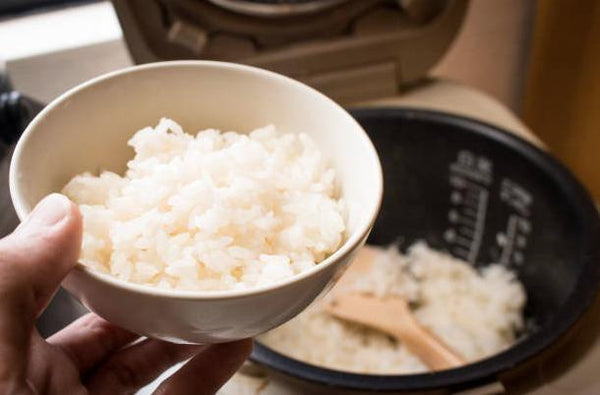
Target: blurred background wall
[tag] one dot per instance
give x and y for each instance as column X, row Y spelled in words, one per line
column 542, row 60
column 562, row 96
column 491, row 51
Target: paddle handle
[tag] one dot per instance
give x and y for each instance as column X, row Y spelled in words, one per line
column 428, row 347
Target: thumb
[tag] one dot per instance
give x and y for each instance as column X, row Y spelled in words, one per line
column 42, row 250
column 33, row 261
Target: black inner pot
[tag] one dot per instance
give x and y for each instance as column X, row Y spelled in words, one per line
column 485, row 196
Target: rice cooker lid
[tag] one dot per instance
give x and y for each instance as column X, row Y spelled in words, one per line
column 275, row 7
column 337, row 47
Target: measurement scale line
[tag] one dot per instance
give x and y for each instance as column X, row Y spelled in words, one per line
column 467, row 183
column 511, row 232
column 473, row 193
column 466, row 221
column 479, row 225
column 470, row 212
column 465, row 231
column 461, row 252
column 463, row 241
column 474, row 175
column 472, row 199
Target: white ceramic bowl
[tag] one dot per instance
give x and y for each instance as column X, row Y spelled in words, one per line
column 87, row 128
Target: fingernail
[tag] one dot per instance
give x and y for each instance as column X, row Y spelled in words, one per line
column 51, row 210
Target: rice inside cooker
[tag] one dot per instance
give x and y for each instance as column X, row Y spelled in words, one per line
column 475, row 312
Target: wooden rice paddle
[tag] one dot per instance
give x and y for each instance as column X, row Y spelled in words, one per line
column 393, row 317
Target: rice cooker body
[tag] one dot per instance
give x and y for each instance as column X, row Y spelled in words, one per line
column 485, row 196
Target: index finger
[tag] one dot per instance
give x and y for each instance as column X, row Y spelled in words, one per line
column 91, row 339
column 208, row 371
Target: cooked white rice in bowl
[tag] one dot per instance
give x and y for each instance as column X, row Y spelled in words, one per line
column 214, row 211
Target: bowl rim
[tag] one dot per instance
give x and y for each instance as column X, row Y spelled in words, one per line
column 489, row 369
column 350, row 244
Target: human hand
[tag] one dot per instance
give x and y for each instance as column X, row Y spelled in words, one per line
column 90, row 356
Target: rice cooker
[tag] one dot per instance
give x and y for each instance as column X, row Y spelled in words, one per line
column 335, row 46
